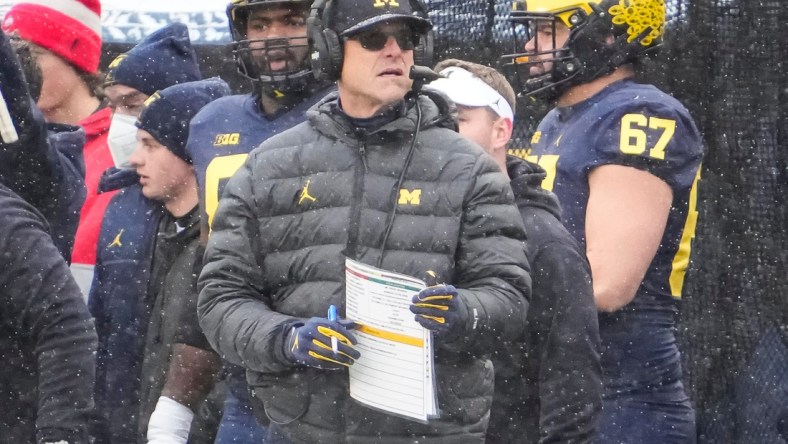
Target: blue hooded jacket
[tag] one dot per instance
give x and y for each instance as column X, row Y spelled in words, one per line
column 117, row 303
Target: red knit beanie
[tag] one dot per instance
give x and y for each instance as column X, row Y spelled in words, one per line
column 69, row 28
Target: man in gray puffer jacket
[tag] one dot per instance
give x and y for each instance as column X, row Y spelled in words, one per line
column 379, row 175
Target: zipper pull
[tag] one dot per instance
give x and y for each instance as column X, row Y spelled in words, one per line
column 362, row 151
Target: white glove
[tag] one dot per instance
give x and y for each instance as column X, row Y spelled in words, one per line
column 169, row 423
column 8, row 132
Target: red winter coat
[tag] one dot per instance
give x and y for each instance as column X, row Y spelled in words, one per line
column 97, row 160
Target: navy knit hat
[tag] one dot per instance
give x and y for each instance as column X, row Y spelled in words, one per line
column 162, row 59
column 166, row 114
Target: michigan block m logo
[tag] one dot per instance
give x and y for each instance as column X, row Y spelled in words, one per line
column 383, row 3
column 154, row 97
column 115, row 63
column 407, row 197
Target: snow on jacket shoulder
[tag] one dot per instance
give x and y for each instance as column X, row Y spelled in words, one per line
column 310, row 195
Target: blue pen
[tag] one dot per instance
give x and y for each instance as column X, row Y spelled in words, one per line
column 332, row 316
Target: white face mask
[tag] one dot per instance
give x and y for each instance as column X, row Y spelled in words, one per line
column 122, row 139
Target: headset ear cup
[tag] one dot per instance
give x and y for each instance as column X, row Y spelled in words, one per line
column 334, row 54
column 422, row 53
column 316, row 44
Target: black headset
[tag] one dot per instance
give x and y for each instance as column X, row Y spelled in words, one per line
column 327, row 56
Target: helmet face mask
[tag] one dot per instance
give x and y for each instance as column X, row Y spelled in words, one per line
column 570, row 42
column 279, row 62
column 540, row 57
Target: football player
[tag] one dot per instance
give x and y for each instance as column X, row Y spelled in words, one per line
column 548, row 382
column 270, row 48
column 624, row 159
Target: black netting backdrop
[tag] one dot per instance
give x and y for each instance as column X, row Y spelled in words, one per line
column 727, row 63
column 726, row 60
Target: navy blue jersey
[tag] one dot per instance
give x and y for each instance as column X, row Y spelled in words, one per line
column 222, row 134
column 639, row 126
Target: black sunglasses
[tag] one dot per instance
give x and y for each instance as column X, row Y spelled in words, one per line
column 375, row 39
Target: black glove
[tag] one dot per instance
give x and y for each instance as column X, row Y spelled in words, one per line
column 310, row 344
column 17, row 117
column 441, row 309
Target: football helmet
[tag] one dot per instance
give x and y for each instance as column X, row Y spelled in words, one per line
column 256, row 58
column 602, row 35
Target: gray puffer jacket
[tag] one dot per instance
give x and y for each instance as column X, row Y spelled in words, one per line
column 324, row 190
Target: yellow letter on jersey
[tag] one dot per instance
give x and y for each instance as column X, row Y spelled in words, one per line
column 220, row 168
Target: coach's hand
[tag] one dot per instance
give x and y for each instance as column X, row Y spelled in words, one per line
column 310, row 344
column 441, row 309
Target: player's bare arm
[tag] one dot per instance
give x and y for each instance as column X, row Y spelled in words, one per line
column 625, row 220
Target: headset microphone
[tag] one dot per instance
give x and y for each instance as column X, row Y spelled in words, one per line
column 422, row 75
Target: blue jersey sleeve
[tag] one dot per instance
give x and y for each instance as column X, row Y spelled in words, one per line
column 654, row 133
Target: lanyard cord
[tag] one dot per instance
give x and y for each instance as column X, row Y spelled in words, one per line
column 400, row 179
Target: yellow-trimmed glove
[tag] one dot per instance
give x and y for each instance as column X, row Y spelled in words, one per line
column 310, row 344
column 439, row 308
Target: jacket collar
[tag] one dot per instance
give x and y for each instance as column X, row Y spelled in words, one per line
column 526, row 180
column 97, row 123
column 116, row 178
column 181, row 229
column 329, row 120
column 69, row 140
